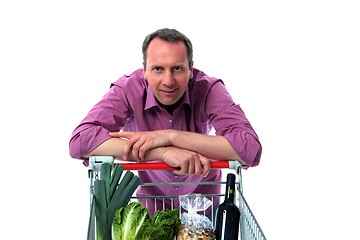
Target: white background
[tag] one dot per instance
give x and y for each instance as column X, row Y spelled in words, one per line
column 292, row 66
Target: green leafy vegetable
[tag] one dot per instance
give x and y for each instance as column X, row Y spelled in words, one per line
column 133, row 222
column 169, row 221
column 110, row 195
column 128, row 221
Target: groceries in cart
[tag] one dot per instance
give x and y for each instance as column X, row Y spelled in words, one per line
column 228, row 214
column 117, row 214
column 194, row 225
column 119, row 219
column 112, row 191
column 133, row 222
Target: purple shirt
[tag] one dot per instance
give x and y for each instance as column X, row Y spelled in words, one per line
column 130, row 105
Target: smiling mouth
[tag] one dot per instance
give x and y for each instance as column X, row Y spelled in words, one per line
column 168, row 91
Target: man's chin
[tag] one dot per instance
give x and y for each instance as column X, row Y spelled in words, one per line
column 167, row 103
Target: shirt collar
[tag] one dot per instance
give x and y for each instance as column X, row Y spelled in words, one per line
column 151, row 100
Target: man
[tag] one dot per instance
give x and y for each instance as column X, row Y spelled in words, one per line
column 165, row 111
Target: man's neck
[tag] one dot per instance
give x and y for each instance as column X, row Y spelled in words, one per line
column 170, row 108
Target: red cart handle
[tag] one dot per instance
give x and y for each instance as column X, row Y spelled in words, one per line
column 165, row 166
column 96, row 161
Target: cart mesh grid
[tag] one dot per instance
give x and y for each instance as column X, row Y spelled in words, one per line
column 249, row 227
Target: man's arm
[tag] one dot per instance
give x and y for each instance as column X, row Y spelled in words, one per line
column 188, row 162
column 114, row 147
column 213, row 147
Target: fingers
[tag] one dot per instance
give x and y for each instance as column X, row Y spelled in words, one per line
column 139, row 149
column 206, row 166
column 133, row 145
column 126, row 150
column 126, row 135
column 201, row 166
column 195, row 165
column 137, row 144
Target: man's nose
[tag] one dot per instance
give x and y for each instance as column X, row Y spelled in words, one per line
column 168, row 79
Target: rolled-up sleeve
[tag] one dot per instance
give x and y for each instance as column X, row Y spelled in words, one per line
column 247, row 146
column 108, row 115
column 229, row 121
column 87, row 140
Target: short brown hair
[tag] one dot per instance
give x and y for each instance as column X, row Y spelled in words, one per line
column 169, row 35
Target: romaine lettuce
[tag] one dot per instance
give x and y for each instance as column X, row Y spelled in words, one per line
column 133, row 222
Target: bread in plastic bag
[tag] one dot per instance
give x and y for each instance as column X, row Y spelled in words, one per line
column 195, row 225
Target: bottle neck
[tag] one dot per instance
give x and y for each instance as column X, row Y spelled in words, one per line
column 230, row 188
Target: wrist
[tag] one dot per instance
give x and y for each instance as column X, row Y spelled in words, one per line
column 159, row 153
column 163, row 155
column 172, row 134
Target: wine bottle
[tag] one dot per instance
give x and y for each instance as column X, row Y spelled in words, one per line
column 228, row 214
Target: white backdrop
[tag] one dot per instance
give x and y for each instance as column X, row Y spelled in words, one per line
column 292, row 66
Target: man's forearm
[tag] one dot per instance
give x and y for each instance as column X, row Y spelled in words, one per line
column 213, row 147
column 113, row 147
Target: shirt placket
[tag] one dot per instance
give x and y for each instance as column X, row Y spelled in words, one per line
column 176, row 187
column 171, row 123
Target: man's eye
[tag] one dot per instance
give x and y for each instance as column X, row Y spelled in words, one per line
column 157, row 69
column 177, row 69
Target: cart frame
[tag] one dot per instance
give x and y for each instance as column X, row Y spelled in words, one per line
column 249, row 227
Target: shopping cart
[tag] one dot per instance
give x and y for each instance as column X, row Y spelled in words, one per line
column 249, row 227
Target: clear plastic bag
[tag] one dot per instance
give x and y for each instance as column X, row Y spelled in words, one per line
column 193, row 224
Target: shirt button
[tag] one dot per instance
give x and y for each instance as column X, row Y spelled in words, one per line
column 176, row 188
column 175, row 176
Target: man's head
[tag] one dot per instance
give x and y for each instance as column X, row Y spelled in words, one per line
column 168, row 64
column 168, row 35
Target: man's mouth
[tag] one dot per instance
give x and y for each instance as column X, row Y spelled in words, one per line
column 168, row 91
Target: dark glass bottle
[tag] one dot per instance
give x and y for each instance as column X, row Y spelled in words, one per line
column 228, row 214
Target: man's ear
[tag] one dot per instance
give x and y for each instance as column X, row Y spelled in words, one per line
column 191, row 70
column 144, row 71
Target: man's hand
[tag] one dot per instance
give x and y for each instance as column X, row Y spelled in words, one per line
column 140, row 142
column 188, row 162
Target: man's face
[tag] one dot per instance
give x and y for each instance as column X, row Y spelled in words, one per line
column 167, row 70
